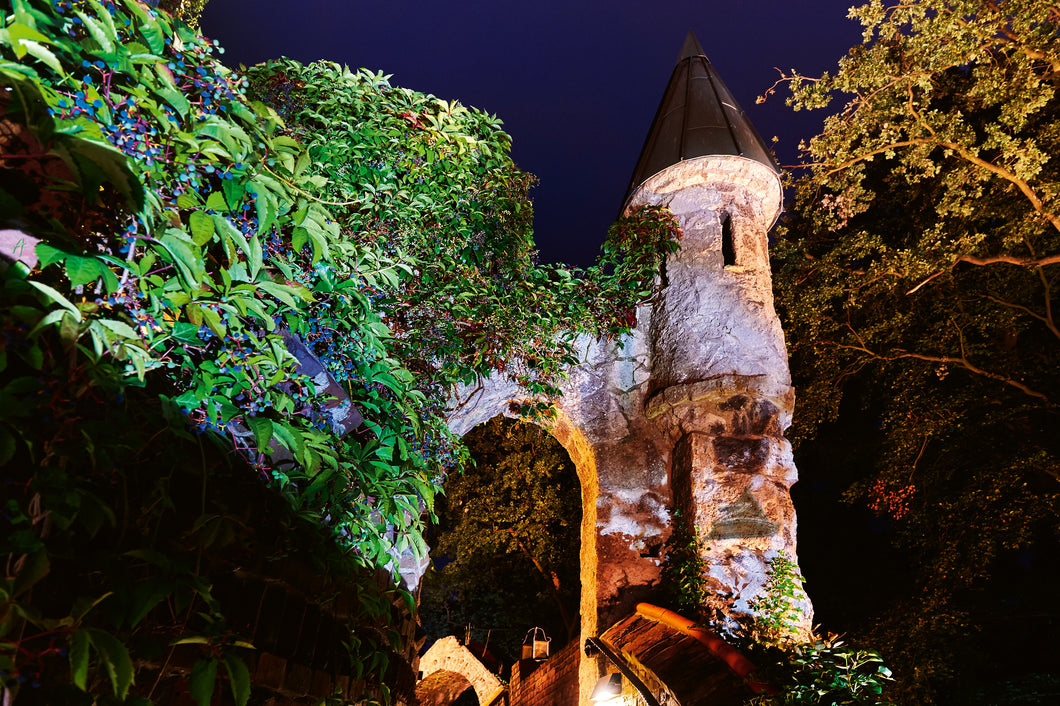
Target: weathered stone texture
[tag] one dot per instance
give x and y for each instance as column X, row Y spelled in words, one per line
column 448, row 668
column 688, row 410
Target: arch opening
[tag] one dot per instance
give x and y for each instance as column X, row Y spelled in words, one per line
column 445, row 688
column 506, row 552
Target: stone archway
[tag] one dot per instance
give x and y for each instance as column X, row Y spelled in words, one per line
column 691, row 406
column 497, row 396
column 448, row 669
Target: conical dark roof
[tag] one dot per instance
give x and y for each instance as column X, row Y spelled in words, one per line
column 698, row 116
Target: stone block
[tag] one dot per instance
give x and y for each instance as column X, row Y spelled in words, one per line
column 271, row 670
column 740, row 453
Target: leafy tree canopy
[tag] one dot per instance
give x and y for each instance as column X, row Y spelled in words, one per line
column 917, row 281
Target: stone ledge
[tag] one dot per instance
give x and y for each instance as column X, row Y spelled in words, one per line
column 719, row 389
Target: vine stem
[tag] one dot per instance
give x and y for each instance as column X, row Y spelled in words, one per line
column 307, row 194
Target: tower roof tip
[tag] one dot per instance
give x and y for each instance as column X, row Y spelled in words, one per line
column 691, row 47
column 698, row 116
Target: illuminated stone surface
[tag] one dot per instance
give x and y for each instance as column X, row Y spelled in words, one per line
column 688, row 410
column 448, row 669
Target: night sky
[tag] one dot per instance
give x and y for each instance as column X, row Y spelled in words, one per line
column 576, row 83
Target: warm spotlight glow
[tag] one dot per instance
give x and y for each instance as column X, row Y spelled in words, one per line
column 608, row 689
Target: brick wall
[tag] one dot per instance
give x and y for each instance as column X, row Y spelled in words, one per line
column 552, row 683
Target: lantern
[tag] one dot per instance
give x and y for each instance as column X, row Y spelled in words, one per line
column 535, row 645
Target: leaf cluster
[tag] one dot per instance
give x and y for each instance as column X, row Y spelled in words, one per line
column 917, row 283
column 430, row 183
column 826, row 672
column 682, row 586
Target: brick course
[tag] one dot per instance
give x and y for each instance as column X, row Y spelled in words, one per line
column 554, row 682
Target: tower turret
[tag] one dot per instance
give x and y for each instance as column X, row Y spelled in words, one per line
column 689, row 408
column 720, row 385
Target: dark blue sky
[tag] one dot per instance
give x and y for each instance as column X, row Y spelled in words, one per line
column 576, row 82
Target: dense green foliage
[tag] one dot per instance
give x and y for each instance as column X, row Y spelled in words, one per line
column 917, row 284
column 507, row 542
column 821, row 671
column 825, row 672
column 430, row 183
column 776, row 611
column 193, row 284
column 187, row 236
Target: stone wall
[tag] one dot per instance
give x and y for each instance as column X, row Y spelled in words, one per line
column 687, row 411
column 447, row 669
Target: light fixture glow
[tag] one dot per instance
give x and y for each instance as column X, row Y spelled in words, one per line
column 609, row 687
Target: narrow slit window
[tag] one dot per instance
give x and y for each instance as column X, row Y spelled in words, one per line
column 728, row 246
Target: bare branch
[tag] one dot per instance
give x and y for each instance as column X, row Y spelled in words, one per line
column 962, row 361
column 1011, row 260
column 1047, row 320
column 917, row 459
column 929, row 278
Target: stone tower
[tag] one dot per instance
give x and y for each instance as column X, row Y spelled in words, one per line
column 719, row 370
column 689, row 409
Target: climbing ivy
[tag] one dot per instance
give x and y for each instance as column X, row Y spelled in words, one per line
column 682, row 582
column 177, row 240
column 777, row 610
column 203, row 271
column 818, row 670
column 430, row 183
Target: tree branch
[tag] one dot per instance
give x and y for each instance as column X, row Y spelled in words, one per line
column 1010, row 259
column 568, row 624
column 1047, row 320
column 1010, row 177
column 950, row 360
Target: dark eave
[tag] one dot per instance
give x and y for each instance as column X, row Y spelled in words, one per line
column 697, row 117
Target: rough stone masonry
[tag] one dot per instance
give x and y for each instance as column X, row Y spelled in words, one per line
column 688, row 411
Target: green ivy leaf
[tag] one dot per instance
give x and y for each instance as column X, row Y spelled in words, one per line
column 47, row 254
column 202, row 680
column 202, row 228
column 234, row 190
column 213, row 321
column 115, row 658
column 186, row 333
column 238, row 677
column 82, row 270
column 262, row 428
column 120, row 328
column 216, row 202
column 96, row 31
column 56, row 297
column 45, row 55
column 172, row 96
column 79, row 658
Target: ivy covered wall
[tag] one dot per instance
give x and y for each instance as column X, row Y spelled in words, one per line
column 213, row 279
